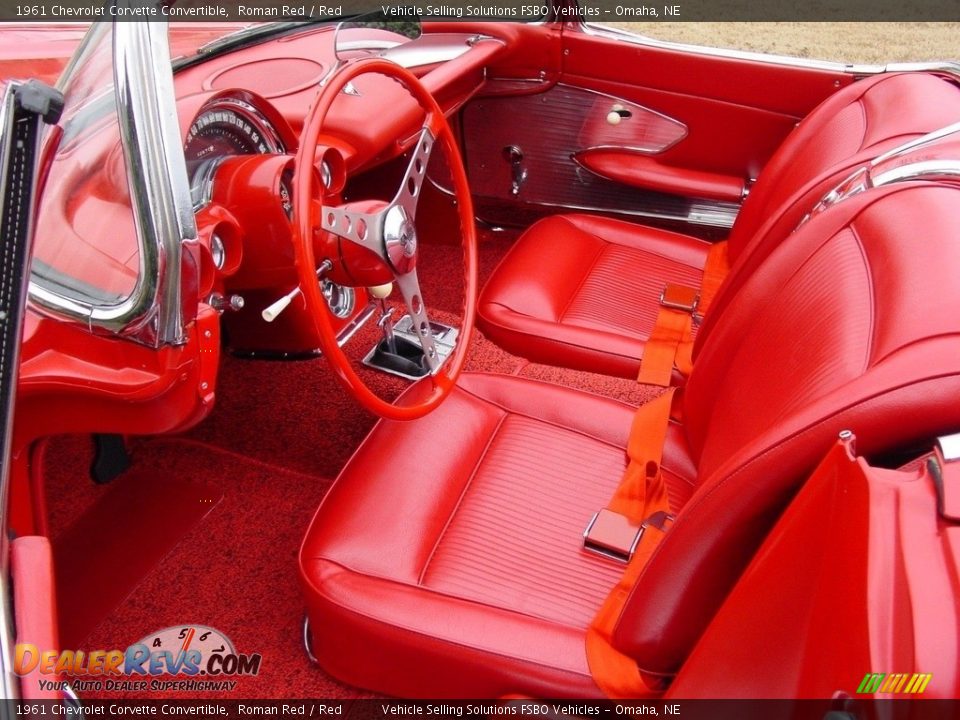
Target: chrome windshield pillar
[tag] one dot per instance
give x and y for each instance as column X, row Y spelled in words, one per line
column 157, row 173
column 163, row 298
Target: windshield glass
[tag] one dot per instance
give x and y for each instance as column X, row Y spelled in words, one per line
column 86, row 241
column 89, row 258
column 191, row 40
column 186, row 38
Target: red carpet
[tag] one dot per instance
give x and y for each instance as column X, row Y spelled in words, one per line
column 280, row 432
column 109, row 550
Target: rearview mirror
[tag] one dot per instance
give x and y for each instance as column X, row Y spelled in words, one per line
column 372, row 34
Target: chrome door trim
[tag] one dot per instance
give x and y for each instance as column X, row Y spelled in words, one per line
column 940, row 67
column 616, row 34
column 159, row 190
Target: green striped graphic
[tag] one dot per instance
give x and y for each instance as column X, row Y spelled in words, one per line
column 907, row 683
column 871, row 683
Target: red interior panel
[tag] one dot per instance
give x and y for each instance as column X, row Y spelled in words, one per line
column 858, row 535
column 737, row 111
column 34, row 606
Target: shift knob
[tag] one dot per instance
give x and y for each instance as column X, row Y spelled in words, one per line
column 381, row 292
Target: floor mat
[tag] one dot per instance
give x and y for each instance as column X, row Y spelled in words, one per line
column 235, row 570
column 103, row 556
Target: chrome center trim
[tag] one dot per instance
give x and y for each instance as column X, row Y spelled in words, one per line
column 400, row 239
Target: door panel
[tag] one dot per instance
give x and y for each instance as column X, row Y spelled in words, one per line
column 737, row 110
column 540, row 151
column 573, row 154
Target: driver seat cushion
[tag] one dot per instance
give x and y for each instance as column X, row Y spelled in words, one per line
column 457, row 565
column 586, row 290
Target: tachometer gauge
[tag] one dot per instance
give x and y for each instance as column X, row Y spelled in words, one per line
column 225, row 127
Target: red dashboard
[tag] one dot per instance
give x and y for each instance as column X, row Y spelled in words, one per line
column 243, row 220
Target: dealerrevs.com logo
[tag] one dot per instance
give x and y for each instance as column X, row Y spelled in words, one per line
column 185, row 657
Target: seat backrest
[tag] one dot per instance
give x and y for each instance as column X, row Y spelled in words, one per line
column 854, row 323
column 852, row 126
column 846, row 131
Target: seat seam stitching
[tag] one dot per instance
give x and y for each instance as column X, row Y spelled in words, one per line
column 565, row 343
column 865, row 116
column 673, row 471
column 463, row 493
column 583, row 281
column 406, row 628
column 868, row 355
column 645, row 251
column 554, row 424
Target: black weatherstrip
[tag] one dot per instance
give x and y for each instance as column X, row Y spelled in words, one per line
column 25, row 106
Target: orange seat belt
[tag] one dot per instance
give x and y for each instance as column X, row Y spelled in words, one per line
column 715, row 271
column 671, row 340
column 672, row 329
column 640, row 497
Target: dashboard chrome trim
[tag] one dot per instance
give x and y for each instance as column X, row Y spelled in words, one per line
column 201, row 186
column 432, row 50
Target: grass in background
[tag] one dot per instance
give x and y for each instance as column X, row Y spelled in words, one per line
column 852, row 42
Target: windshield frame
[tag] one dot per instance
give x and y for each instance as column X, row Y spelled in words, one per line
column 249, row 36
column 153, row 313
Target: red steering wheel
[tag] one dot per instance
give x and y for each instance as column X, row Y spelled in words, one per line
column 383, row 239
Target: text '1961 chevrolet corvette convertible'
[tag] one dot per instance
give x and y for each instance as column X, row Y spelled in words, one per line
column 502, row 360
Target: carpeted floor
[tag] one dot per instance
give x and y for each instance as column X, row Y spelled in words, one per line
column 279, row 434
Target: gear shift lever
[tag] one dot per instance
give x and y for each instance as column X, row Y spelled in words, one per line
column 386, row 326
column 393, row 354
column 381, row 293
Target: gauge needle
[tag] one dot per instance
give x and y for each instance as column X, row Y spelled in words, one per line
column 187, row 640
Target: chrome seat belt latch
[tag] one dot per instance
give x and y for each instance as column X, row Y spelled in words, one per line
column 680, row 297
column 614, row 536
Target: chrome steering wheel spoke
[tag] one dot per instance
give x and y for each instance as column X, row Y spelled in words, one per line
column 408, row 197
column 363, row 229
column 410, row 289
column 391, row 234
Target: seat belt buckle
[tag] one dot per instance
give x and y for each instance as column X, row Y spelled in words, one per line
column 614, row 536
column 680, row 297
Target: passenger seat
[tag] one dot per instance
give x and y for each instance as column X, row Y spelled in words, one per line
column 583, row 291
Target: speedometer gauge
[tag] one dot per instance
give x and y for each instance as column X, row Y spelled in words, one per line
column 224, row 128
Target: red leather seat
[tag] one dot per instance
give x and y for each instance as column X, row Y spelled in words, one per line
column 447, row 561
column 583, row 292
column 442, row 563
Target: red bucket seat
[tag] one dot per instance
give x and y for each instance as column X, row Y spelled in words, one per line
column 446, row 560
column 583, row 291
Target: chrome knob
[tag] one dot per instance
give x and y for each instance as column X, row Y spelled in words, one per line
column 221, row 304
